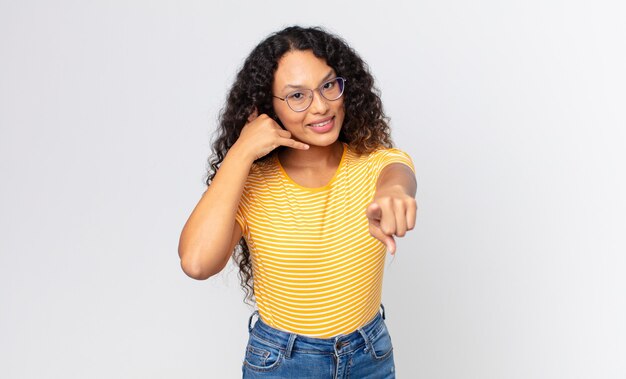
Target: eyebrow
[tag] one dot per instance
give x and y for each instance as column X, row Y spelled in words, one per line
column 328, row 76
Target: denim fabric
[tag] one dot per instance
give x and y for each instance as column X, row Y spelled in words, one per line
column 366, row 353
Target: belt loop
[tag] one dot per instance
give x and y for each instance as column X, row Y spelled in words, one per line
column 383, row 307
column 292, row 339
column 250, row 320
column 366, row 338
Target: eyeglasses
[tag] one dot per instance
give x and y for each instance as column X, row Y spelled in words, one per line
column 301, row 100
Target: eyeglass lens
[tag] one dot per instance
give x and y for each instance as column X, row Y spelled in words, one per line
column 302, row 99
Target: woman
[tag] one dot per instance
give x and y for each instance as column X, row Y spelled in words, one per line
column 306, row 181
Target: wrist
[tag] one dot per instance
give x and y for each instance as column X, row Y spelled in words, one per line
column 241, row 154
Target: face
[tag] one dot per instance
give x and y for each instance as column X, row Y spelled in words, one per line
column 319, row 124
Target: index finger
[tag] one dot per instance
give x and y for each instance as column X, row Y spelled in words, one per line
column 293, row 143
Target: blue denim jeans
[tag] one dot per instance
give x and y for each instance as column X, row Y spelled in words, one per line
column 366, row 353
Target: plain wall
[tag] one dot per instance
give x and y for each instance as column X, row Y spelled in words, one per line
column 514, row 115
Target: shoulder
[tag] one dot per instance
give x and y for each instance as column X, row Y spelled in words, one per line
column 263, row 167
column 383, row 151
column 384, row 156
column 262, row 173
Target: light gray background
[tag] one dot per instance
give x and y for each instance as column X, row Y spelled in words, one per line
column 513, row 112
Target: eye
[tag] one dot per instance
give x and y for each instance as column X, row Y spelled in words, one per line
column 330, row 84
column 296, row 96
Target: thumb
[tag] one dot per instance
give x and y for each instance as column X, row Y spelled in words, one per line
column 374, row 212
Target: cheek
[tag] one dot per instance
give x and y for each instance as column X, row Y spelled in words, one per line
column 290, row 117
column 339, row 104
column 340, row 110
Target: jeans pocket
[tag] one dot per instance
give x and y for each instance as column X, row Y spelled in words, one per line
column 380, row 343
column 261, row 355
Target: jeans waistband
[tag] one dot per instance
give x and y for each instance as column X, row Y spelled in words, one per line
column 341, row 344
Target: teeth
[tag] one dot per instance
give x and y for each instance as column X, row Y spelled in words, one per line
column 321, row 124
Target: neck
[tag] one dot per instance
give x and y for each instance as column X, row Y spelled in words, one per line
column 314, row 157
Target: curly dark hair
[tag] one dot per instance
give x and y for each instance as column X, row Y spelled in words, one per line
column 365, row 127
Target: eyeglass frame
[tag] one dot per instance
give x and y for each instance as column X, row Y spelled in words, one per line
column 319, row 89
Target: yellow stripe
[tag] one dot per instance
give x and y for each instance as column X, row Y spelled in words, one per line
column 317, row 270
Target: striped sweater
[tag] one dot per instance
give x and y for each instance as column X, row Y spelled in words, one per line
column 317, row 270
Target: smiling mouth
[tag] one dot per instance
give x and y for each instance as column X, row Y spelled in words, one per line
column 323, row 123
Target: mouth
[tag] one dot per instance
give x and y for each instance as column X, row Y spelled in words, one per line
column 322, row 126
column 321, row 123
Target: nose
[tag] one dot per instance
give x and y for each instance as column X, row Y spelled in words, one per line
column 318, row 104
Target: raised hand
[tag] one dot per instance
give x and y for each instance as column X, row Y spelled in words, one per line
column 262, row 134
column 391, row 212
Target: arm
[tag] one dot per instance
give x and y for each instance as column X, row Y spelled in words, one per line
column 393, row 208
column 211, row 232
column 398, row 175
